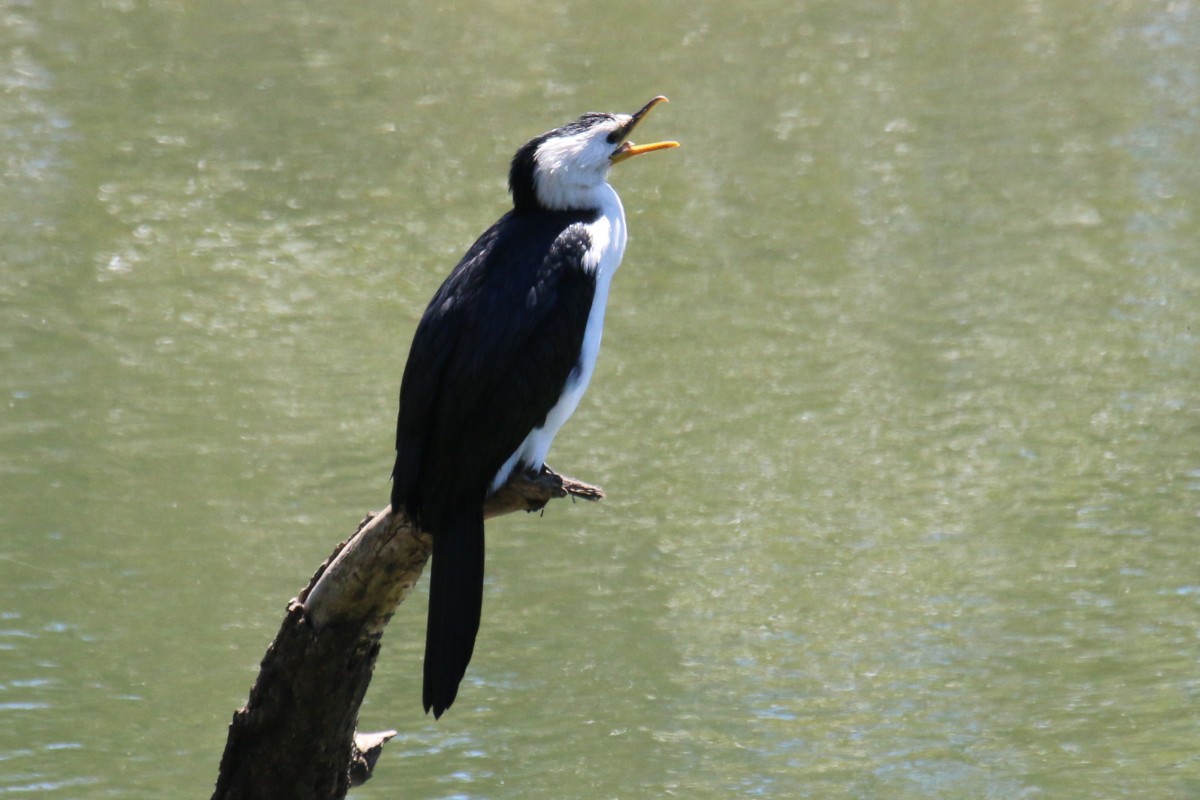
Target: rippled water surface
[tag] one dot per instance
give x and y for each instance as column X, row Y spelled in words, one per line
column 897, row 409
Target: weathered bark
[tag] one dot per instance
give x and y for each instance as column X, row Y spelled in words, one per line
column 295, row 737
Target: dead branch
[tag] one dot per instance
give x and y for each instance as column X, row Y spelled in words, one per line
column 296, row 736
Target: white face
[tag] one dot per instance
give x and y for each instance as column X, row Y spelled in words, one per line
column 571, row 166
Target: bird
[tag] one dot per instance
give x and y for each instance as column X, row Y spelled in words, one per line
column 500, row 359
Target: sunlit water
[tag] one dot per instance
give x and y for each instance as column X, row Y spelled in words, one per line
column 896, row 407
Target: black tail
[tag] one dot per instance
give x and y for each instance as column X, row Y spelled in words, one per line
column 455, row 602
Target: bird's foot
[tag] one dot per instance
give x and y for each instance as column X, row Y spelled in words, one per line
column 541, row 474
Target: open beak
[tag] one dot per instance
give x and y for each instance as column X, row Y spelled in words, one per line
column 628, row 150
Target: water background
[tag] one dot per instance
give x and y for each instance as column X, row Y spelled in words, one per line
column 897, row 407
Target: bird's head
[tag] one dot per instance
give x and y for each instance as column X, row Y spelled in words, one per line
column 563, row 168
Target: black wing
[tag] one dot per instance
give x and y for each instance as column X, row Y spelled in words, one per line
column 490, row 358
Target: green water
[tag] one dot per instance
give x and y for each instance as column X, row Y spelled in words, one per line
column 897, row 407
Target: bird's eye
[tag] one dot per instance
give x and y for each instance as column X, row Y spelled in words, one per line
column 613, row 137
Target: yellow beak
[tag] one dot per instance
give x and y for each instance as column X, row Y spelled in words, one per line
column 628, row 149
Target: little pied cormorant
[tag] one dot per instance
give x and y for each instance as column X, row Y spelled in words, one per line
column 500, row 359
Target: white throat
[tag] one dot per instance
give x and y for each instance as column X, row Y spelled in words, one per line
column 571, row 172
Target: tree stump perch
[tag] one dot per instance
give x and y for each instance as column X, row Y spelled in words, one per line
column 296, row 736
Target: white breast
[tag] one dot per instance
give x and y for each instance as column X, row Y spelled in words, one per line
column 607, row 235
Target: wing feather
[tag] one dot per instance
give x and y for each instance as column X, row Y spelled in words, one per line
column 490, row 358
